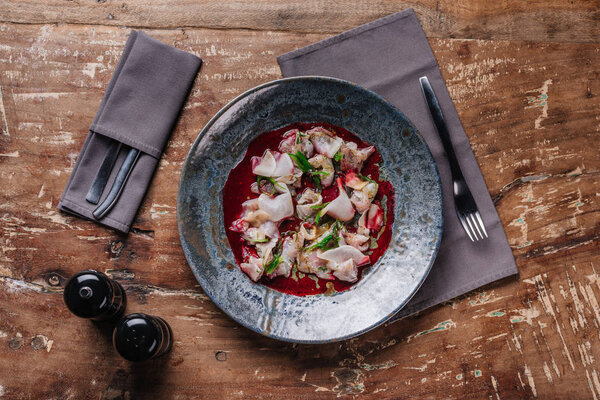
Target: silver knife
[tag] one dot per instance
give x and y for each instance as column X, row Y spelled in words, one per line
column 97, row 188
column 118, row 184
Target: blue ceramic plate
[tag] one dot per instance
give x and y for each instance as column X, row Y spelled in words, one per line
column 407, row 163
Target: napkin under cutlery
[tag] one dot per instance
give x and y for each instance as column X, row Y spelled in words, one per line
column 139, row 109
column 388, row 56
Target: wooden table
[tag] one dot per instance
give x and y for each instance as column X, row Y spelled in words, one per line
column 525, row 78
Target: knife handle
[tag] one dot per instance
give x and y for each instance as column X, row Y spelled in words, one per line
column 440, row 125
column 97, row 188
column 118, row 184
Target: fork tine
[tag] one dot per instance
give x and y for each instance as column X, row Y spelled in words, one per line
column 471, row 226
column 465, row 227
column 481, row 223
column 476, row 224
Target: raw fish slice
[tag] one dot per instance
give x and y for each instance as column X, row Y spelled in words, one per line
column 358, row 241
column 288, row 144
column 341, row 254
column 289, row 254
column 256, row 218
column 253, row 268
column 308, row 233
column 283, row 165
column 310, row 263
column 375, row 217
column 340, row 208
column 324, row 164
column 278, row 207
column 353, row 157
column 296, row 141
column 272, row 164
column 363, row 198
column 293, row 180
column 346, row 271
column 254, row 235
column 265, row 250
column 265, row 165
column 324, row 141
column 353, row 181
column 306, row 202
column 270, row 229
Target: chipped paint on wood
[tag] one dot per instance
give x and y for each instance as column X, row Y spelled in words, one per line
column 17, row 286
column 158, row 210
column 4, row 123
column 540, row 101
column 495, row 386
column 530, row 380
column 442, row 326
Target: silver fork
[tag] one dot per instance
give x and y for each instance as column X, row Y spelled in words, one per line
column 466, row 208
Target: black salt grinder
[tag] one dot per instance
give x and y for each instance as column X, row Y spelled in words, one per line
column 140, row 337
column 91, row 294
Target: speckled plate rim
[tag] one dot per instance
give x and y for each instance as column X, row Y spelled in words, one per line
column 207, row 127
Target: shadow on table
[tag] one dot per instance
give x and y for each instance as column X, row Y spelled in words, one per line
column 131, row 378
column 382, row 339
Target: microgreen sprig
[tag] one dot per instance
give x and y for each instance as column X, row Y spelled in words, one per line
column 319, row 206
column 265, row 240
column 274, row 263
column 332, row 236
column 302, row 163
column 366, row 178
column 260, row 179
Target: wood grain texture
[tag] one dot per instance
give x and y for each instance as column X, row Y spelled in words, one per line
column 543, row 20
column 531, row 111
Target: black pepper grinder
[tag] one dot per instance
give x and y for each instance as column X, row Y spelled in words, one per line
column 91, row 294
column 140, row 337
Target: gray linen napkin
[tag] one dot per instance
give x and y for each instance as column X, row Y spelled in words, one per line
column 388, row 56
column 139, row 109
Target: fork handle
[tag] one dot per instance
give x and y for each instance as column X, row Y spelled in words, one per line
column 440, row 125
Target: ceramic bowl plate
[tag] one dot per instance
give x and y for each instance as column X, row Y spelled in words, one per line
column 407, row 163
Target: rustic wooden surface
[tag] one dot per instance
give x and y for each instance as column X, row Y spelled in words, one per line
column 525, row 79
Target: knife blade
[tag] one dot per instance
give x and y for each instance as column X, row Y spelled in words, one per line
column 99, row 183
column 118, row 184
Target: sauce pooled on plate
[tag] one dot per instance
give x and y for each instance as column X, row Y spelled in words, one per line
column 306, row 209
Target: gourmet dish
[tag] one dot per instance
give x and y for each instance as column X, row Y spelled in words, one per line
column 307, row 208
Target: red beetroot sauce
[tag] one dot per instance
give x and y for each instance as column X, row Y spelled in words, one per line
column 237, row 190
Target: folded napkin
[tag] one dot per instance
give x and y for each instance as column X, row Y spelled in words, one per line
column 388, row 56
column 139, row 109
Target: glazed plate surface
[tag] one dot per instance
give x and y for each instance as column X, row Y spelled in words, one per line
column 385, row 286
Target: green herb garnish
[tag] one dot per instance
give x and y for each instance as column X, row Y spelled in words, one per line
column 317, row 181
column 319, row 206
column 260, row 179
column 265, row 240
column 298, row 136
column 322, row 244
column 332, row 236
column 301, row 161
column 273, row 264
column 338, row 156
column 366, row 178
column 318, row 217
